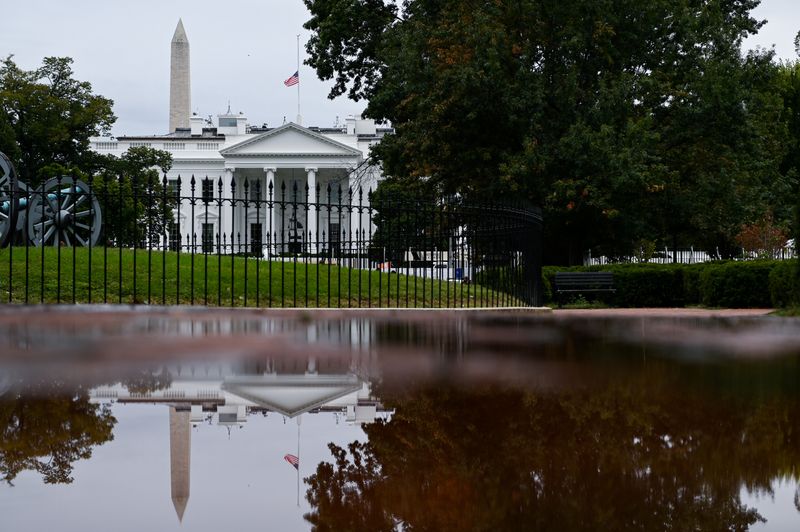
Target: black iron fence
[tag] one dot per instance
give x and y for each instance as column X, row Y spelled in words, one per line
column 257, row 243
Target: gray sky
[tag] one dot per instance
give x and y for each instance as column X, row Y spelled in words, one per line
column 241, row 50
column 239, row 483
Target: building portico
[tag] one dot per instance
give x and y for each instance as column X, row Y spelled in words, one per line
column 288, row 186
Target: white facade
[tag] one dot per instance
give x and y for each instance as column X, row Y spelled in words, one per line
column 274, row 165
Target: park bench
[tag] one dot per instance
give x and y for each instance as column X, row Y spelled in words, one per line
column 582, row 283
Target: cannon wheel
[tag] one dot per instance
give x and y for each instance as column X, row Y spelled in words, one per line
column 64, row 212
column 9, row 198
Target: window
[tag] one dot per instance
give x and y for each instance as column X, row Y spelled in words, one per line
column 173, row 190
column 255, row 239
column 335, row 238
column 174, row 236
column 208, row 190
column 227, row 122
column 255, row 191
column 208, row 238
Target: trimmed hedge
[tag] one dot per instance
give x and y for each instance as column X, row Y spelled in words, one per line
column 784, row 284
column 741, row 284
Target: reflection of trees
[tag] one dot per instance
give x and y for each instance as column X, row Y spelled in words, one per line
column 49, row 433
column 624, row 457
column 148, row 381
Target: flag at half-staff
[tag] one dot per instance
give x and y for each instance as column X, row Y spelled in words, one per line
column 292, row 459
column 292, row 80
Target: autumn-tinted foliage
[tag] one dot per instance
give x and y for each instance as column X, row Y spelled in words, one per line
column 626, row 120
column 646, row 453
column 49, row 431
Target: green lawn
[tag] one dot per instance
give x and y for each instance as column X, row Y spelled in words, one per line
column 166, row 278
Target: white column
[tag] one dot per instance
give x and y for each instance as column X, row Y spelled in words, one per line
column 352, row 217
column 270, row 218
column 227, row 234
column 311, row 221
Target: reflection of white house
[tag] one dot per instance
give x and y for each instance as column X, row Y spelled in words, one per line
column 218, row 394
column 224, row 397
column 255, row 167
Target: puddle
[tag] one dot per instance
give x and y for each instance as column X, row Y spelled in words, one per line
column 175, row 419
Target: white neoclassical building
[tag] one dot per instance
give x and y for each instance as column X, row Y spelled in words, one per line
column 263, row 190
column 287, row 186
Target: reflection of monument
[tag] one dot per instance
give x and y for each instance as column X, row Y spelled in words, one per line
column 180, row 450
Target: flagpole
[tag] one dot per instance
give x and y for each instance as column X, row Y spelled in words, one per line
column 298, row 460
column 299, row 119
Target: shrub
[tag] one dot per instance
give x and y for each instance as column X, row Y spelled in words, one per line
column 691, row 283
column 714, row 284
column 784, row 285
column 736, row 284
column 642, row 285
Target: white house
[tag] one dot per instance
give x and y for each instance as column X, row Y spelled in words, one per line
column 264, row 174
column 275, row 170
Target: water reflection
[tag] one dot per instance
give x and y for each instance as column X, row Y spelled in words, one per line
column 464, row 424
column 648, row 455
column 48, row 434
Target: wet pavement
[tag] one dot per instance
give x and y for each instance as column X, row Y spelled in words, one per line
column 194, row 419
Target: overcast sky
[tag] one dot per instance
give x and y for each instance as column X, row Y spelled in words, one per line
column 241, row 50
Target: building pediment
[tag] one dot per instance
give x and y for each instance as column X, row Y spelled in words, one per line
column 290, row 140
column 291, row 395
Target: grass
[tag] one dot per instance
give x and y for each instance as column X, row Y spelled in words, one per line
column 36, row 275
column 581, row 303
column 789, row 312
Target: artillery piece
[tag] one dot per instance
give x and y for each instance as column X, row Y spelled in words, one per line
column 62, row 211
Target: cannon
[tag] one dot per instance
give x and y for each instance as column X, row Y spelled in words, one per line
column 62, row 211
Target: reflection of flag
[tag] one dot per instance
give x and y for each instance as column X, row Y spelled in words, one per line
column 294, row 79
column 292, row 459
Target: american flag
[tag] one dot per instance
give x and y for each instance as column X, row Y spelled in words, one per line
column 294, row 79
column 292, row 459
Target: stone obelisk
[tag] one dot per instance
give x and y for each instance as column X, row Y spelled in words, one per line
column 180, row 450
column 180, row 95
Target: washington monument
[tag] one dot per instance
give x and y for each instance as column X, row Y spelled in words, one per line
column 180, row 448
column 180, row 95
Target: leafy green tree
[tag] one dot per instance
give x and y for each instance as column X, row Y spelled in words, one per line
column 626, row 120
column 48, row 433
column 132, row 197
column 789, row 77
column 402, row 214
column 642, row 452
column 47, row 117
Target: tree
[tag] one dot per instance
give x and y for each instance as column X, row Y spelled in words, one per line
column 789, row 77
column 624, row 119
column 132, row 196
column 47, row 433
column 404, row 217
column 763, row 238
column 642, row 451
column 47, row 117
